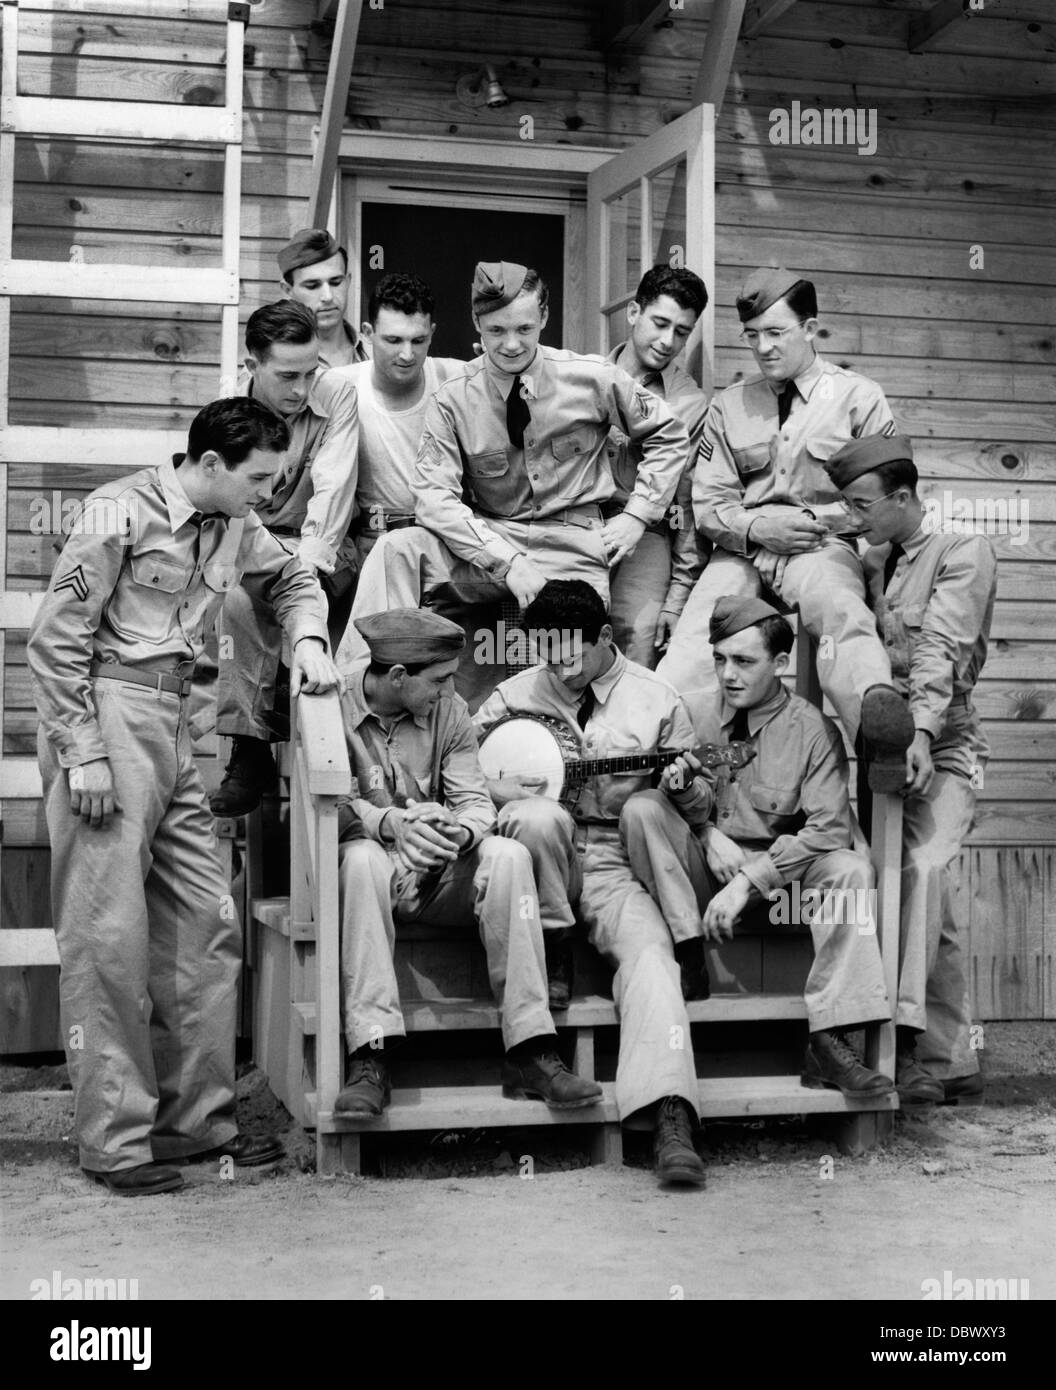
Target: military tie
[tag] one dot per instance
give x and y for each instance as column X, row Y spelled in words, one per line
column 784, row 401
column 740, row 732
column 586, row 706
column 518, row 416
column 891, row 563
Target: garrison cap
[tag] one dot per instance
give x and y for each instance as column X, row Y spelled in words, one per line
column 410, row 636
column 763, row 288
column 733, row 613
column 309, row 246
column 496, row 284
column 863, row 455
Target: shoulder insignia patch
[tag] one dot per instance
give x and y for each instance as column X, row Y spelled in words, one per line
column 889, row 430
column 643, row 404
column 75, row 582
column 706, row 449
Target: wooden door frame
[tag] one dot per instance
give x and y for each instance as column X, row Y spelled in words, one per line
column 463, row 172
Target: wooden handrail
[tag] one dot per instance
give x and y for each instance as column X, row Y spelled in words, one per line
column 321, row 774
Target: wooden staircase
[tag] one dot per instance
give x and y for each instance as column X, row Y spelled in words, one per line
column 748, row 1038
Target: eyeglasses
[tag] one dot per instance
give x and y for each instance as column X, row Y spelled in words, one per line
column 852, row 504
column 754, row 336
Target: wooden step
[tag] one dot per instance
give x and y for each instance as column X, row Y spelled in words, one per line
column 485, row 1107
column 591, row 1011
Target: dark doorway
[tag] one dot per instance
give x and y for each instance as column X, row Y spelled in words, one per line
column 443, row 244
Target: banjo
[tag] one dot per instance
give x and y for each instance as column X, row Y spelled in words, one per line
column 538, row 747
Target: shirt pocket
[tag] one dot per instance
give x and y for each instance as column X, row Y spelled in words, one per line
column 490, row 465
column 774, row 801
column 145, row 600
column 752, row 459
column 574, row 459
column 220, row 578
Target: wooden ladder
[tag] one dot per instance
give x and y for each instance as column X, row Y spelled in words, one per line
column 111, row 451
column 297, row 1024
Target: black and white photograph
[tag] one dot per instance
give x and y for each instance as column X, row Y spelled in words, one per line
column 528, row 668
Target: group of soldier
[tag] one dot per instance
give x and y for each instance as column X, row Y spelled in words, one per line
column 320, row 518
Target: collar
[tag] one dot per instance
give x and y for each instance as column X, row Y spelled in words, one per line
column 313, row 404
column 176, row 500
column 760, row 715
column 914, row 544
column 531, row 376
column 355, row 700
column 657, row 382
column 603, row 685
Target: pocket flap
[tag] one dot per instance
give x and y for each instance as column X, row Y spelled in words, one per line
column 154, row 572
column 774, row 801
column 567, row 446
column 491, row 465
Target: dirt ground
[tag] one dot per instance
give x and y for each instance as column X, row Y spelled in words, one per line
column 784, row 1216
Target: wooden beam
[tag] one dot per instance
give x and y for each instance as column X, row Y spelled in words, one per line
column 926, row 29
column 144, row 283
column 630, row 22
column 335, row 99
column 125, row 120
column 760, row 14
column 719, row 48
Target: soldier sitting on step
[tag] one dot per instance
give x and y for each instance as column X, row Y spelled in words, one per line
column 933, row 594
column 579, row 860
column 782, row 820
column 416, row 846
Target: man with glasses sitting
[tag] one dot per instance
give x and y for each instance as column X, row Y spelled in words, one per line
column 762, row 496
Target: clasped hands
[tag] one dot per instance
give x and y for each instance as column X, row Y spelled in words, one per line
column 426, row 834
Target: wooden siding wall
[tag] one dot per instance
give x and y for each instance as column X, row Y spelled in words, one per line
column 964, row 159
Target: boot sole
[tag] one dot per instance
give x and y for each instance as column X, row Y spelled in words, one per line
column 173, row 1185
column 519, row 1093
column 817, row 1083
column 686, row 1176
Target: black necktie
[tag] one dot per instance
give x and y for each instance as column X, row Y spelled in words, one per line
column 784, row 401
column 586, row 707
column 739, row 733
column 891, row 563
column 518, row 416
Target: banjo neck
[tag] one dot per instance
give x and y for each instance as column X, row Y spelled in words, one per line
column 581, row 768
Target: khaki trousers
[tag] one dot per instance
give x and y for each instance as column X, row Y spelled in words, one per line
column 626, row 926
column 933, row 990
column 149, row 944
column 638, row 587
column 403, row 566
column 845, row 986
column 827, row 587
column 490, row 887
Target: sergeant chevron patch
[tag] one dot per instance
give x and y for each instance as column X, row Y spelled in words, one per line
column 706, row 450
column 76, row 582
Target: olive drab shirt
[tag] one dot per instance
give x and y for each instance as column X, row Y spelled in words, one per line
column 747, row 460
column 139, row 584
column 314, row 489
column 468, row 470
column 791, row 803
column 426, row 757
column 935, row 620
column 675, row 385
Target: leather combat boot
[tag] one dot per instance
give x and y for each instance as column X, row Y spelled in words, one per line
column 368, row 1089
column 144, row 1180
column 249, row 774
column 963, row 1090
column 832, row 1061
column 558, row 947
column 915, row 1085
column 545, row 1077
column 677, row 1161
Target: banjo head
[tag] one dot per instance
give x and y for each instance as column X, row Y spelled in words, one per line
column 529, row 746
